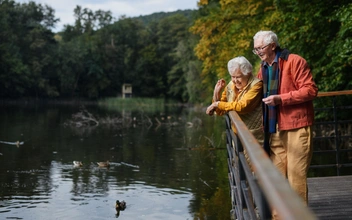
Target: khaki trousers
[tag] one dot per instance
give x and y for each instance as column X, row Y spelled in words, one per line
column 291, row 152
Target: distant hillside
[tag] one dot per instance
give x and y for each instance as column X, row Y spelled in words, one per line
column 146, row 19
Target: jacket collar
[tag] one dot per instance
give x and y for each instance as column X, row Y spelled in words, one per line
column 284, row 54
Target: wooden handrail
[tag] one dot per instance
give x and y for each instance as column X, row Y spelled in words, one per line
column 335, row 93
column 275, row 187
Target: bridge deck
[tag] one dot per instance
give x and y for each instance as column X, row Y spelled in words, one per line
column 331, row 197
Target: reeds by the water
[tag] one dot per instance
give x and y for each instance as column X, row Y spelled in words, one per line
column 137, row 104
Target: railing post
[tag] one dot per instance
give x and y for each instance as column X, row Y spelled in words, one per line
column 337, row 138
column 230, row 154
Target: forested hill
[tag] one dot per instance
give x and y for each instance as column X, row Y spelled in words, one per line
column 155, row 17
column 176, row 55
column 96, row 55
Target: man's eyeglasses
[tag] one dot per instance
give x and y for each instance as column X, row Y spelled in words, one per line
column 259, row 49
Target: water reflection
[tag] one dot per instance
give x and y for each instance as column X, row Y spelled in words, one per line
column 163, row 170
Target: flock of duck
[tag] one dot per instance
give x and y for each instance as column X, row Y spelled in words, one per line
column 100, row 164
column 120, row 205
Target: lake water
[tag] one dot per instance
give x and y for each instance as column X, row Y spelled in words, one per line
column 164, row 165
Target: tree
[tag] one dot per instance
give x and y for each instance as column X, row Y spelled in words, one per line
column 335, row 66
column 226, row 29
column 172, row 34
column 27, row 50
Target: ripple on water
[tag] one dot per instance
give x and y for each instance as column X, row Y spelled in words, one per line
column 90, row 193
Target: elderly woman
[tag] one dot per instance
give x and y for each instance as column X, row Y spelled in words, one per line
column 243, row 94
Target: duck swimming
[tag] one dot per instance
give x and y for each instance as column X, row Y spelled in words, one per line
column 120, row 206
column 77, row 163
column 104, row 164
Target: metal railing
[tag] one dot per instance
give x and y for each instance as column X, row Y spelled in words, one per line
column 258, row 187
column 333, row 135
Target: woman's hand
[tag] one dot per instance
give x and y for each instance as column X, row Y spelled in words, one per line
column 219, row 86
column 211, row 108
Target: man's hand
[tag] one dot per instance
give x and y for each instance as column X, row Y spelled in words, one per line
column 272, row 100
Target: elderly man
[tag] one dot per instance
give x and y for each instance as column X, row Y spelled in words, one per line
column 288, row 89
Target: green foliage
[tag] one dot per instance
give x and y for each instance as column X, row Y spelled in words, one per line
column 177, row 55
column 127, row 51
column 327, row 49
column 337, row 62
column 156, row 17
column 172, row 34
column 316, row 30
column 26, row 50
column 224, row 35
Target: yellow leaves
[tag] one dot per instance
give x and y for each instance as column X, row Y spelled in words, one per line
column 224, row 3
column 226, row 32
column 269, row 8
column 271, row 21
column 202, row 50
column 203, row 2
column 203, row 28
column 240, row 7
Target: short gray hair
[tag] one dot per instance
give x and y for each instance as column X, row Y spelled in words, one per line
column 240, row 63
column 267, row 36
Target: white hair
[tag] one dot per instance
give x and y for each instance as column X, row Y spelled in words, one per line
column 240, row 63
column 267, row 36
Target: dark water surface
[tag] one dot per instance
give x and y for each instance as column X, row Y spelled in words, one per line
column 173, row 170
